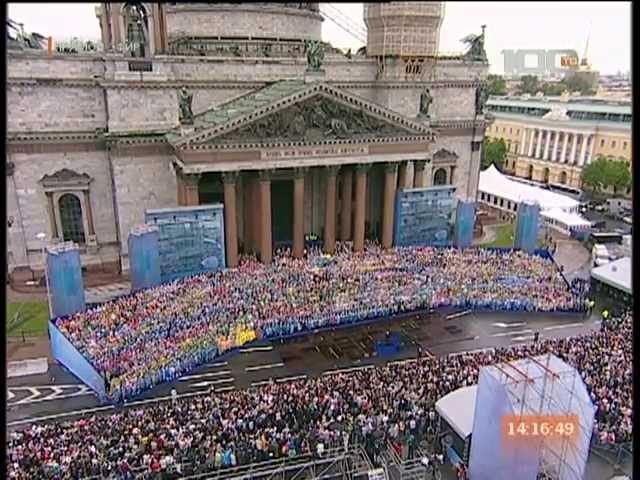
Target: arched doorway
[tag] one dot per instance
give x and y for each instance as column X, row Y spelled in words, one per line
column 563, row 178
column 71, row 218
column 530, row 172
column 440, row 177
column 546, row 175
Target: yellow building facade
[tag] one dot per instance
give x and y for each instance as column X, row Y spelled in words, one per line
column 551, row 141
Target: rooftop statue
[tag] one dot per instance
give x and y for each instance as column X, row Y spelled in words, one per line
column 315, row 54
column 186, row 114
column 476, row 51
column 23, row 40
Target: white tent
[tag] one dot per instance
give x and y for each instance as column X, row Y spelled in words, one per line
column 616, row 274
column 565, row 221
column 457, row 409
column 493, row 182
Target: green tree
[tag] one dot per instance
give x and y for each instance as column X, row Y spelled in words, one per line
column 620, row 175
column 496, row 85
column 578, row 83
column 594, row 174
column 529, row 84
column 553, row 89
column 494, row 151
column 605, row 172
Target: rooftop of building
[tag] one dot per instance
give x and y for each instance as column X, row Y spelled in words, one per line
column 579, row 104
column 575, row 112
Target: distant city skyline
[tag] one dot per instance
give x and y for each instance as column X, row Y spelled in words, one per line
column 510, row 25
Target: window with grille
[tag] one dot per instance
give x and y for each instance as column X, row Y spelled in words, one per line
column 71, row 218
column 440, row 177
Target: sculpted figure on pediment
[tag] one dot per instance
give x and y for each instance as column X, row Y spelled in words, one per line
column 314, row 119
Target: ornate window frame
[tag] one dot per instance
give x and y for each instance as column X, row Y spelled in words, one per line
column 63, row 182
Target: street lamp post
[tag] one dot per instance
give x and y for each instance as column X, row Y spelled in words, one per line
column 42, row 237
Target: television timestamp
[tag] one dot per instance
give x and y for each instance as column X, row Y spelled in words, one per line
column 527, row 427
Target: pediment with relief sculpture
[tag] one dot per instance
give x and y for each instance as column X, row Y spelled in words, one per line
column 290, row 112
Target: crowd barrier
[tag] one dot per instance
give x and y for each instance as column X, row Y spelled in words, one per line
column 80, row 366
column 69, row 356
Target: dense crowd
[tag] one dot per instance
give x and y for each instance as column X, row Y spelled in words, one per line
column 158, row 334
column 392, row 404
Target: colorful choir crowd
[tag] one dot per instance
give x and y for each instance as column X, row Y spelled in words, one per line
column 394, row 403
column 158, row 334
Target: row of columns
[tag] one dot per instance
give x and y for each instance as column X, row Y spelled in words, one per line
column 352, row 214
column 533, row 138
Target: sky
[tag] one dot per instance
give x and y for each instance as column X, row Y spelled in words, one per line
column 510, row 25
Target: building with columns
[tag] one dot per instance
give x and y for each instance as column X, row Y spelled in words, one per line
column 97, row 138
column 550, row 141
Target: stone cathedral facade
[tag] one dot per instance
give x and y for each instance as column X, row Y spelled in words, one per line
column 239, row 104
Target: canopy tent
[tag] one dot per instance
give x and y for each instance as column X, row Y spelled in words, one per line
column 616, row 274
column 567, row 222
column 457, row 409
column 493, row 182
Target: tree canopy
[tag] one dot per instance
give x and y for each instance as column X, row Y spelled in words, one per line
column 496, row 85
column 529, row 84
column 494, row 151
column 606, row 172
column 577, row 83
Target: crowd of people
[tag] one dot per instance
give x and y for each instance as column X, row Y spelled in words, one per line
column 393, row 405
column 158, row 334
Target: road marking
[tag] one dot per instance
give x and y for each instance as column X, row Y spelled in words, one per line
column 404, row 362
column 265, row 348
column 509, row 325
column 88, row 411
column 58, row 390
column 205, row 375
column 568, row 325
column 263, row 367
column 70, row 385
column 290, row 379
column 522, row 339
column 258, row 384
column 456, row 315
column 212, row 382
column 217, row 364
column 10, row 395
column 512, row 333
column 477, row 350
column 224, row 389
column 347, row 370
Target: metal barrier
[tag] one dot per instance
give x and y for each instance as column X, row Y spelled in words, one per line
column 410, row 468
column 616, row 454
column 337, row 462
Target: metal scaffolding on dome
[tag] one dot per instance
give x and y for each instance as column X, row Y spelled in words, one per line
column 541, row 386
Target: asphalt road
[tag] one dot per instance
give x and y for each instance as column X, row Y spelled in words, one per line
column 59, row 396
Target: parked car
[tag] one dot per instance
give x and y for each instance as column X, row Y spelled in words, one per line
column 600, row 208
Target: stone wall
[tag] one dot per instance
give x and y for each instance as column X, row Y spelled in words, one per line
column 243, row 20
column 31, row 210
column 16, row 241
column 467, row 167
column 42, row 108
column 452, row 104
column 37, row 64
column 142, row 182
column 135, row 109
